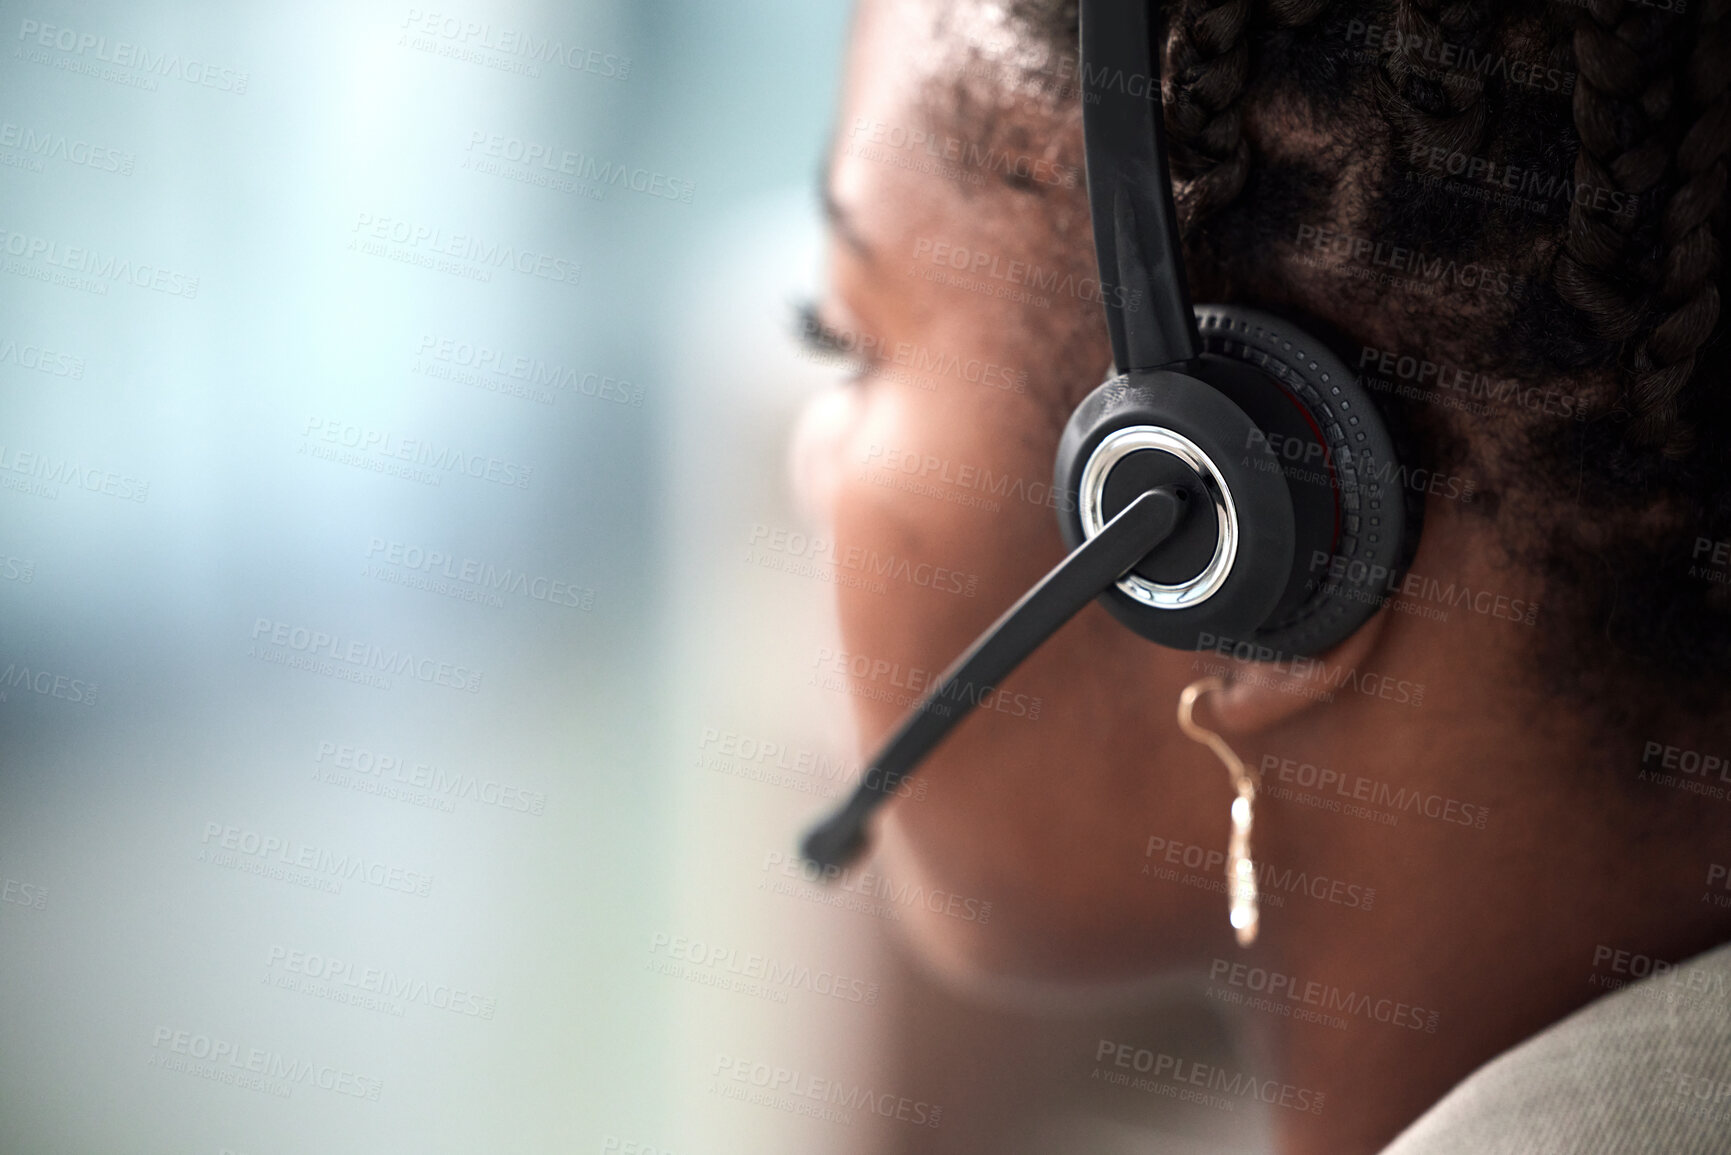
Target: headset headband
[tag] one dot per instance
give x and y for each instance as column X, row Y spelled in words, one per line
column 1148, row 309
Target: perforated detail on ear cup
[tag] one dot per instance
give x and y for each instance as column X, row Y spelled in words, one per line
column 1378, row 513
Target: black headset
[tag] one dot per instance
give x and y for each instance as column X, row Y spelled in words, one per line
column 1231, row 486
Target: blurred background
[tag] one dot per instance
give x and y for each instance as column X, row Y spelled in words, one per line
column 401, row 735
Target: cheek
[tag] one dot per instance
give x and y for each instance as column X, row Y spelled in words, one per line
column 817, row 452
column 906, row 591
column 927, row 554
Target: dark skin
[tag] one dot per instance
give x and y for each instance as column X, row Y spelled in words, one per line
column 1493, row 929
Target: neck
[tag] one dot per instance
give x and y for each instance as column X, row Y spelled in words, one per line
column 1477, row 938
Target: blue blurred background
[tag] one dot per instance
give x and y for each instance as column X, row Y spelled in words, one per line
column 390, row 709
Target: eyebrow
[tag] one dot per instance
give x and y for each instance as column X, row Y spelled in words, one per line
column 842, row 223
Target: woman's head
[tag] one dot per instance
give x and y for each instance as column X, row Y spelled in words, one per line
column 1510, row 217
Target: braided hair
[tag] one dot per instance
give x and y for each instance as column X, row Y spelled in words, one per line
column 1613, row 117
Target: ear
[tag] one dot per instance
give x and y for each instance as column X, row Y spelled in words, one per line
column 1264, row 694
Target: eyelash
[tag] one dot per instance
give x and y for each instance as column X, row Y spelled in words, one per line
column 819, row 339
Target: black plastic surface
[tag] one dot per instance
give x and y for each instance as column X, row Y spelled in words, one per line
column 1342, row 577
column 1199, row 412
column 1293, row 436
column 1287, row 407
column 1129, row 192
column 1190, row 548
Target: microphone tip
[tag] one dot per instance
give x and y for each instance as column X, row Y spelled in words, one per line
column 833, row 844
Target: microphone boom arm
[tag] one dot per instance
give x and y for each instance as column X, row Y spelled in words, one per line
column 1077, row 580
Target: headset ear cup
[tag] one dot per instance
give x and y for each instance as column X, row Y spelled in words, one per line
column 1346, row 571
column 1163, row 427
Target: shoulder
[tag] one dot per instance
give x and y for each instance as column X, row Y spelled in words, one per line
column 1647, row 1069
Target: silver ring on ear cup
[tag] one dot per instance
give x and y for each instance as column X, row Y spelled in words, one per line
column 1227, row 446
column 1136, row 438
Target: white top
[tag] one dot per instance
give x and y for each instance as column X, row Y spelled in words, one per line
column 1646, row 1071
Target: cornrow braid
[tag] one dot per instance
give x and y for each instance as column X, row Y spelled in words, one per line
column 1295, row 13
column 1623, row 95
column 1207, row 61
column 1431, row 107
column 1689, row 231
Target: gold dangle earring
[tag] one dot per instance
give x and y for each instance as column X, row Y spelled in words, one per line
column 1240, row 870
